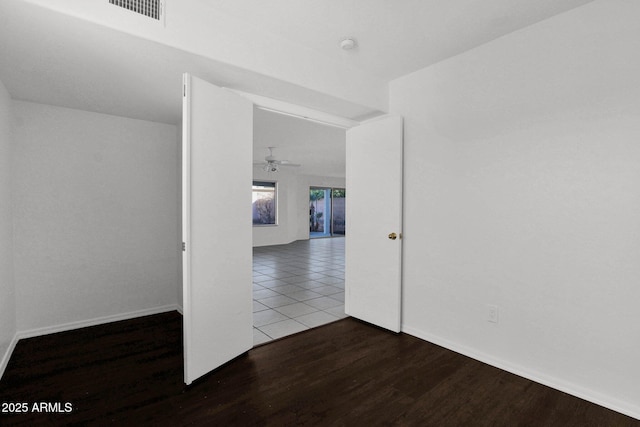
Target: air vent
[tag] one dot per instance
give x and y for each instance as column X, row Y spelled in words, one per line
column 150, row 8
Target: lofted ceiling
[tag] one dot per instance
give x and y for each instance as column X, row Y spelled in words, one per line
column 87, row 55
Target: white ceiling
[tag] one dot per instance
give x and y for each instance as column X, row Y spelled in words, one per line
column 394, row 37
column 53, row 52
column 319, row 149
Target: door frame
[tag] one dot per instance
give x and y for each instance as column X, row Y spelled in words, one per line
column 331, row 228
column 276, row 106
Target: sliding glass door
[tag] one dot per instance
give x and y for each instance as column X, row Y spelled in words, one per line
column 326, row 212
column 338, row 199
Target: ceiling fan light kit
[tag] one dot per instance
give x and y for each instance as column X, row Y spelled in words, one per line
column 270, row 167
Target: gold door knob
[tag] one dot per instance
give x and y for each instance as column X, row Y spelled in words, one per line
column 393, row 236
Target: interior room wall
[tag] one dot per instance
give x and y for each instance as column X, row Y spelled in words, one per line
column 7, row 285
column 293, row 206
column 95, row 217
column 521, row 185
column 314, row 77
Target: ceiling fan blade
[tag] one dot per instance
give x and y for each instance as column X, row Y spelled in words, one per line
column 271, row 160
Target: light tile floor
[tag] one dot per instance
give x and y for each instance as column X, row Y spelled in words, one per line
column 296, row 287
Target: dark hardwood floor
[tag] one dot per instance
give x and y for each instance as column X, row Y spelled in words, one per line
column 343, row 374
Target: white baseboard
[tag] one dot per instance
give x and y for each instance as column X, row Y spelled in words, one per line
column 7, row 355
column 95, row 321
column 626, row 408
column 80, row 324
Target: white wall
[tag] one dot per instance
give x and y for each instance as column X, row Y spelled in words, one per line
column 315, row 80
column 522, row 168
column 7, row 287
column 96, row 226
column 293, row 206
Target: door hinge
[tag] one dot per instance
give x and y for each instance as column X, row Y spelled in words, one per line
column 184, row 246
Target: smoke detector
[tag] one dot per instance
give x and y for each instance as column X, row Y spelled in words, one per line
column 348, row 43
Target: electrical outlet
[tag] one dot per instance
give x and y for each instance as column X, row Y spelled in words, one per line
column 492, row 313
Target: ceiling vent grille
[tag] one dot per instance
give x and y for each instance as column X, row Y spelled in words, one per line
column 150, row 8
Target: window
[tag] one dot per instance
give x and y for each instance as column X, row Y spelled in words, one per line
column 264, row 203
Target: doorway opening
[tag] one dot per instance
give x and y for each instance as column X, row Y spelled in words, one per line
column 298, row 283
column 326, row 212
column 308, row 291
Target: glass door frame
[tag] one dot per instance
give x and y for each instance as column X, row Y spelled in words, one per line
column 330, row 221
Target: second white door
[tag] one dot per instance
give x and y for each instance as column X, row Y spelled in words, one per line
column 373, row 269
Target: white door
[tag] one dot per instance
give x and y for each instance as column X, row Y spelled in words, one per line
column 216, row 208
column 374, row 222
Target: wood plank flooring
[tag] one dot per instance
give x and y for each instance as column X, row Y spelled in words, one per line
column 346, row 373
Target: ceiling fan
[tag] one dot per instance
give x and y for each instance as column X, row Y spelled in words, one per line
column 271, row 164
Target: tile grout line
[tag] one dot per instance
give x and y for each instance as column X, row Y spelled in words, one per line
column 316, row 268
